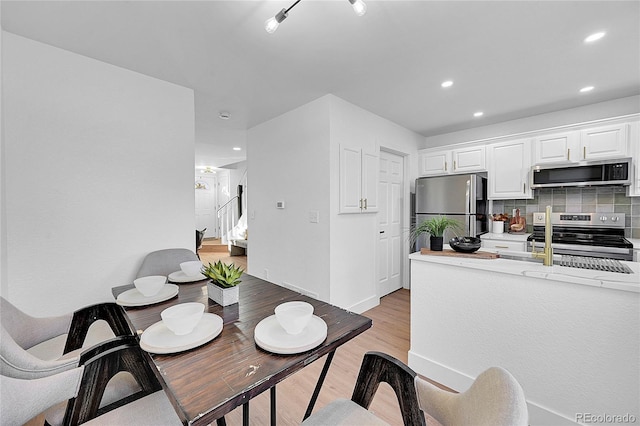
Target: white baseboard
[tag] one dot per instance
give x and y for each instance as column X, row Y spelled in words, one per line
column 538, row 415
column 364, row 305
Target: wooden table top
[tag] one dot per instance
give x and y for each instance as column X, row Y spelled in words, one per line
column 208, row 382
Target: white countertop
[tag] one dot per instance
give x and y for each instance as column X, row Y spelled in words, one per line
column 612, row 280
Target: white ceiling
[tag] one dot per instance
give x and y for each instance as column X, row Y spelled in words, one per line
column 510, row 59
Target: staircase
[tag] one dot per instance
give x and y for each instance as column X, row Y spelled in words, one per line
column 233, row 227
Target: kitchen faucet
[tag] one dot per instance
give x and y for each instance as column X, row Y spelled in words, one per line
column 547, row 254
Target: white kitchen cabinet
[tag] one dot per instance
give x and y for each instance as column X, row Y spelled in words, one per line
column 358, row 180
column 470, row 159
column 634, row 143
column 604, row 142
column 556, row 148
column 498, row 245
column 435, row 163
column 508, row 170
column 460, row 160
column 594, row 143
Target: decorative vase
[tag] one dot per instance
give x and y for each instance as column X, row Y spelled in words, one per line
column 223, row 296
column 436, row 243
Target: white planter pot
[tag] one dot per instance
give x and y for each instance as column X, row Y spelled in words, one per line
column 223, row 296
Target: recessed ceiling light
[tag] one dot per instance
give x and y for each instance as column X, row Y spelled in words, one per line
column 224, row 115
column 447, row 83
column 594, row 37
column 237, row 148
column 586, row 89
column 478, row 114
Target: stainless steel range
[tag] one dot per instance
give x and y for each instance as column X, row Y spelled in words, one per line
column 595, row 235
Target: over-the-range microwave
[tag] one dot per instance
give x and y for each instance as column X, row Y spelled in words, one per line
column 584, row 173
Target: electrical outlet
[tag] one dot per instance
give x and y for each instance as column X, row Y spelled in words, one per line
column 314, row 216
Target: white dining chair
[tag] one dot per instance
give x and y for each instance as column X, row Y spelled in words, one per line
column 494, row 399
column 50, row 338
column 164, row 262
column 77, row 394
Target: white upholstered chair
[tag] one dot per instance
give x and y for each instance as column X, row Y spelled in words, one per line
column 494, row 399
column 164, row 262
column 90, row 391
column 50, row 338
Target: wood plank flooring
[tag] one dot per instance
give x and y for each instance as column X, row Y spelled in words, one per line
column 389, row 334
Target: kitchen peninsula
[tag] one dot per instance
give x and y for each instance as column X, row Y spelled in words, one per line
column 570, row 336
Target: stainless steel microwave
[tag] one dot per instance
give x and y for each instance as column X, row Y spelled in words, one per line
column 584, row 173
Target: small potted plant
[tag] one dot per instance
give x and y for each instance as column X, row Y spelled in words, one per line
column 223, row 287
column 435, row 227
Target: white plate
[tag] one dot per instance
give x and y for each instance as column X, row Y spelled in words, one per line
column 134, row 298
column 270, row 335
column 158, row 339
column 181, row 277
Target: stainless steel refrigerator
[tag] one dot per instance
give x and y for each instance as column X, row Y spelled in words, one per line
column 459, row 197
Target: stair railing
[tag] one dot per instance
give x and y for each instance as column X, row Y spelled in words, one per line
column 228, row 217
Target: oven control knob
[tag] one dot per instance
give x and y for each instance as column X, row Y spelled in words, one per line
column 614, row 218
column 603, row 218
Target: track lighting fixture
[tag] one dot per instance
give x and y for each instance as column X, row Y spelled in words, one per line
column 271, row 25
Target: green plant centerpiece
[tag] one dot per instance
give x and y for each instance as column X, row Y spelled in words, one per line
column 223, row 287
column 434, row 227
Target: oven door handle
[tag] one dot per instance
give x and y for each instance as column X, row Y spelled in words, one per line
column 582, row 247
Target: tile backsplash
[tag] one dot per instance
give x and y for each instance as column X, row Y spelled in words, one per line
column 603, row 199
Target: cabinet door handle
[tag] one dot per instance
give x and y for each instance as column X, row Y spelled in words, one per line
column 584, row 152
column 524, row 187
column 360, row 203
column 445, row 166
column 454, row 164
column 365, row 203
column 568, row 154
column 504, row 247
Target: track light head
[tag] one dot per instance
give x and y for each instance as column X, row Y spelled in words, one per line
column 359, row 7
column 271, row 25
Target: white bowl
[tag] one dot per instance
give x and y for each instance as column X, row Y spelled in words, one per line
column 151, row 285
column 182, row 318
column 294, row 316
column 191, row 268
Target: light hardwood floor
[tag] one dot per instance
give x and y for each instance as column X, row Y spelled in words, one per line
column 389, row 334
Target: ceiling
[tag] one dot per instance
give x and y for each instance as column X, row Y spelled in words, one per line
column 509, row 59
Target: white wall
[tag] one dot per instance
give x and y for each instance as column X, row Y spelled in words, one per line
column 354, row 237
column 288, row 160
column 295, row 158
column 614, row 108
column 98, row 171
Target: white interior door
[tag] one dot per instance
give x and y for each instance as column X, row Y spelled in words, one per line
column 205, row 203
column 390, row 194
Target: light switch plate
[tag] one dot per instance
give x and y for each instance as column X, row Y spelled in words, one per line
column 314, row 216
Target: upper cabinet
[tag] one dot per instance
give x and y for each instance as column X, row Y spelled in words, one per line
column 460, row 160
column 358, row 180
column 556, row 148
column 508, row 170
column 604, row 142
column 593, row 143
column 434, row 163
column 634, row 144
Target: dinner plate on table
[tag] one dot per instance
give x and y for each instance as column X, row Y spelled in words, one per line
column 181, row 277
column 158, row 339
column 270, row 336
column 133, row 297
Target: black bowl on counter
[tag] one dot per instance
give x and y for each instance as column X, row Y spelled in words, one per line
column 465, row 244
